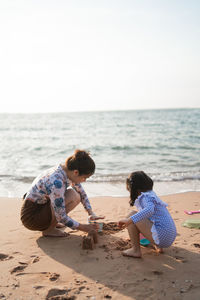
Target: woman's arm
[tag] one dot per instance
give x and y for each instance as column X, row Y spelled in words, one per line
column 84, row 198
column 85, row 201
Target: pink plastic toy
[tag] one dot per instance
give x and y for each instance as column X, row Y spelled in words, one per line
column 192, row 212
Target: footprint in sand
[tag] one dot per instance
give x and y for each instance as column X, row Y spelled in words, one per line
column 180, row 259
column 23, row 265
column 38, row 287
column 19, row 268
column 156, row 272
column 35, row 259
column 5, row 256
column 54, row 276
column 60, row 294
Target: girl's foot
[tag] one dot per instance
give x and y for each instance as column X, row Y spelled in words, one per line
column 158, row 250
column 55, row 233
column 131, row 252
column 60, row 225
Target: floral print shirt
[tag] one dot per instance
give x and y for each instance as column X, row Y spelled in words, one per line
column 54, row 183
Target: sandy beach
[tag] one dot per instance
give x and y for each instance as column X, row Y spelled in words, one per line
column 36, row 267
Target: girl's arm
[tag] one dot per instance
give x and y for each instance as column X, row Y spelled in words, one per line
column 124, row 222
column 146, row 212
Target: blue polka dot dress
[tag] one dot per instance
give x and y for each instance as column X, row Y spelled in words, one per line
column 151, row 207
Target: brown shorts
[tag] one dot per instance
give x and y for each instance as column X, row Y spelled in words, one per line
column 36, row 216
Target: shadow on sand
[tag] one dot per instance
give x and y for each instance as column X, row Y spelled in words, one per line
column 172, row 275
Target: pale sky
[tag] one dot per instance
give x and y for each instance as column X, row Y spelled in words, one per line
column 71, row 55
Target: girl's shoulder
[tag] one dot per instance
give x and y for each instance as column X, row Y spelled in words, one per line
column 151, row 196
column 148, row 194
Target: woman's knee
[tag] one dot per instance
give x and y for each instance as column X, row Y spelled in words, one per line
column 72, row 196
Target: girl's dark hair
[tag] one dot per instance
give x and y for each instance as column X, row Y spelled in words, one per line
column 138, row 182
column 82, row 162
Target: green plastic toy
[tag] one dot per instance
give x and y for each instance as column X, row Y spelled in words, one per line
column 192, row 223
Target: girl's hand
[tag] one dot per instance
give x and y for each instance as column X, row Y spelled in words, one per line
column 124, row 223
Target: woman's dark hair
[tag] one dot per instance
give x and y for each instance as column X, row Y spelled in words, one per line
column 138, row 182
column 82, row 162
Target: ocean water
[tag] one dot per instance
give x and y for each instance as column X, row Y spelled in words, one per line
column 163, row 143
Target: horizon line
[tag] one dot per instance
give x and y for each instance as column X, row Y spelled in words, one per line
column 103, row 110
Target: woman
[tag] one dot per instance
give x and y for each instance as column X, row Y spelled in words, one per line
column 55, row 193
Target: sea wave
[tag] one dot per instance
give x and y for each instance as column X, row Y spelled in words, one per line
column 163, row 143
column 119, row 178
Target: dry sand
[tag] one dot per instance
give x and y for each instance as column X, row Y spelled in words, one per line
column 36, row 267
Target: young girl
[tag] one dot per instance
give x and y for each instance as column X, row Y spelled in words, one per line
column 55, row 193
column 152, row 219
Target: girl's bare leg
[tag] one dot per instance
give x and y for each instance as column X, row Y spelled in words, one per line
column 134, row 232
column 134, row 235
column 145, row 228
column 72, row 199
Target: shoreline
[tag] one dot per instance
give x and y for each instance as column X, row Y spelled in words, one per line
column 107, row 189
column 36, row 267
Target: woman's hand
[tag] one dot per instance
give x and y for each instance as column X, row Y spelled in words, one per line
column 124, row 223
column 93, row 216
column 88, row 227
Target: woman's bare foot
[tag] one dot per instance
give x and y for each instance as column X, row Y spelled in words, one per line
column 60, row 225
column 131, row 252
column 55, row 233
